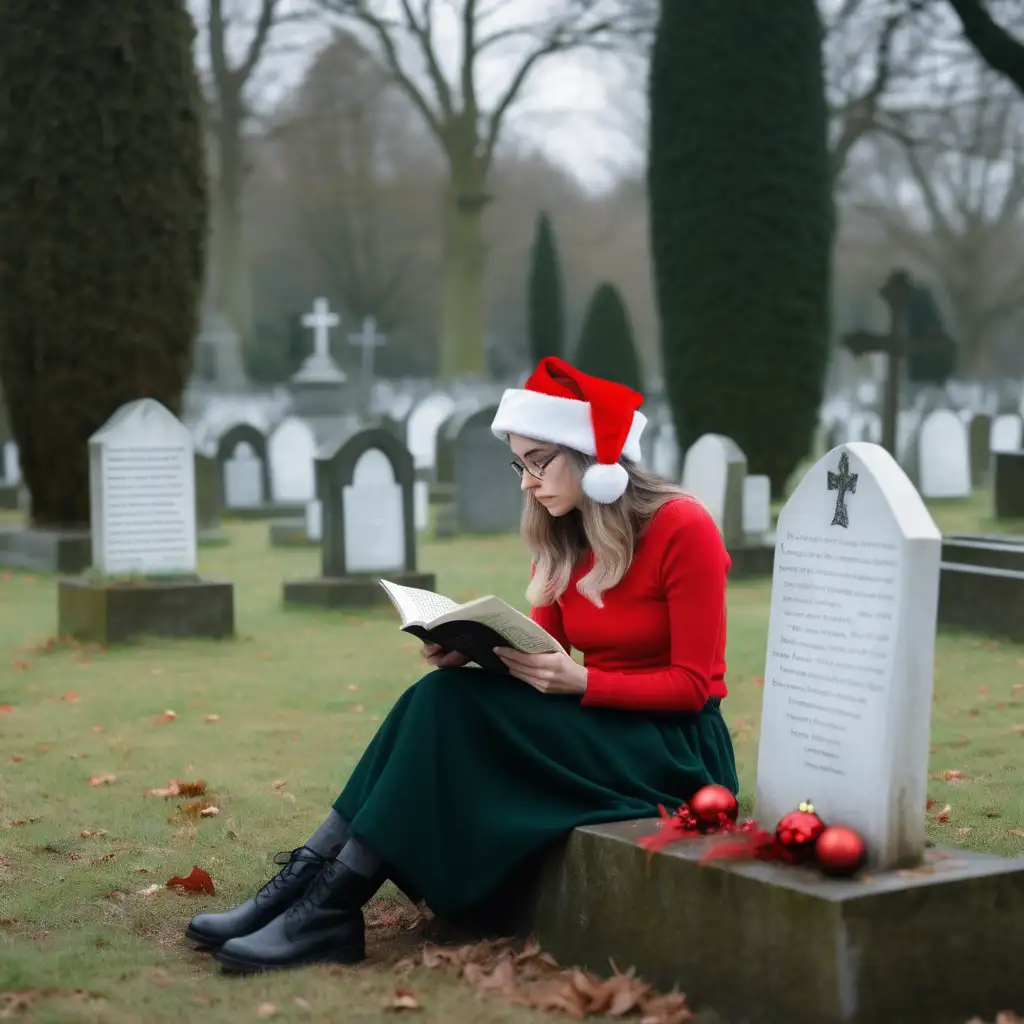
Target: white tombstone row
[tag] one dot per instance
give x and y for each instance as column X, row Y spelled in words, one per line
column 848, row 680
column 944, row 456
column 374, row 521
column 1007, row 433
column 243, row 478
column 142, row 492
column 291, row 449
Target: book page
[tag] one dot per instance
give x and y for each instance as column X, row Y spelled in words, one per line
column 415, row 605
column 519, row 630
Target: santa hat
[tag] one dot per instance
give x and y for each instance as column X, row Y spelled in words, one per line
column 560, row 405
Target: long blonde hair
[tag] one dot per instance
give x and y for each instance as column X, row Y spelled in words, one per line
column 611, row 531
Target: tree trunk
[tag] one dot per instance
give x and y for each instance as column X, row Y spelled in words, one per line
column 103, row 215
column 462, row 290
column 230, row 281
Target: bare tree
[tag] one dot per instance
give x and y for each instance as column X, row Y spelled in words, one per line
column 948, row 190
column 235, row 39
column 466, row 127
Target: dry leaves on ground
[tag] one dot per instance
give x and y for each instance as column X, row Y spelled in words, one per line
column 533, row 978
column 403, row 999
column 175, row 787
column 197, row 881
column 93, row 833
column 102, row 780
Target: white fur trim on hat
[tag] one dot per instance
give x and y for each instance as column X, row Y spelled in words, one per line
column 564, row 421
column 605, row 482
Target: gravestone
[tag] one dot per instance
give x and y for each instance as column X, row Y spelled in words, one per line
column 980, row 430
column 364, row 484
column 714, row 472
column 1007, row 433
column 488, row 496
column 943, row 456
column 245, row 471
column 421, row 428
column 291, row 451
column 1008, row 483
column 757, row 507
column 368, row 340
column 665, row 453
column 851, row 637
column 143, row 523
column 208, row 500
column 319, row 388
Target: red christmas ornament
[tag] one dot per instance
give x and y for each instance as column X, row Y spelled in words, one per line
column 840, row 851
column 714, row 807
column 797, row 833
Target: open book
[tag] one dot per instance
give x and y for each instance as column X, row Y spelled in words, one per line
column 474, row 628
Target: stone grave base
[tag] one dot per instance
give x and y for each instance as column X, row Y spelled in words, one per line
column 764, row 942
column 111, row 612
column 291, row 533
column 982, row 599
column 441, row 493
column 351, row 591
column 9, row 497
column 751, row 560
column 446, row 521
column 63, row 551
column 264, row 512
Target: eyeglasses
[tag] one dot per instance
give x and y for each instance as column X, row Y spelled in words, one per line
column 536, row 470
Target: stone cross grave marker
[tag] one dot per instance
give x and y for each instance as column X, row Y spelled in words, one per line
column 488, row 497
column 245, row 468
column 368, row 340
column 319, row 368
column 142, row 492
column 897, row 345
column 713, row 472
column 846, row 717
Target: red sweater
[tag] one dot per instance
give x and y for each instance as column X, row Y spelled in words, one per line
column 658, row 644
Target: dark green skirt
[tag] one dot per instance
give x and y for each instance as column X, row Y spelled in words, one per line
column 472, row 773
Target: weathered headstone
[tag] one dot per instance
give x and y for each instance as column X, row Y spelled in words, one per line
column 713, row 472
column 208, row 500
column 757, row 506
column 1009, row 484
column 143, row 519
column 1007, row 433
column 665, row 460
column 980, row 430
column 291, row 452
column 943, row 456
column 245, row 469
column 851, row 638
column 365, row 487
column 488, row 497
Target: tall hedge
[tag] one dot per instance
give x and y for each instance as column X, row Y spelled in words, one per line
column 545, row 302
column 606, row 347
column 742, row 222
column 103, row 205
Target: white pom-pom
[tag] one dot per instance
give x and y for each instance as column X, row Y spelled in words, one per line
column 605, row 483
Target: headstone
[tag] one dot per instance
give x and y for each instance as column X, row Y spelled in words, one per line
column 665, row 453
column 142, row 491
column 944, row 456
column 1007, row 433
column 208, row 499
column 368, row 340
column 364, row 482
column 422, row 427
column 757, row 506
column 848, row 680
column 291, row 450
column 1009, row 484
column 713, row 472
column 318, row 388
column 488, row 497
column 245, row 468
column 980, row 430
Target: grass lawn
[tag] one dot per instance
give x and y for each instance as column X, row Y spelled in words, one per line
column 296, row 697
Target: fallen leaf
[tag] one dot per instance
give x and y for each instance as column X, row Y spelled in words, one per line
column 197, row 881
column 74, row 856
column 150, row 889
column 759, row 680
column 1018, row 832
column 102, row 780
column 178, row 788
column 16, row 758
column 167, row 716
column 6, row 709
column 964, row 831
column 953, row 775
column 351, row 686
column 70, row 697
column 93, row 833
column 993, row 814
column 97, row 728
column 403, row 999
column 929, row 804
column 266, row 1010
column 156, row 671
column 209, row 812
column 21, row 666
column 303, row 1004
column 943, row 815
column 278, row 784
column 356, row 709
column 212, row 718
column 200, row 808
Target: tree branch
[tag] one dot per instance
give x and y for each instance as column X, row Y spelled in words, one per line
column 264, row 24
column 1000, row 50
column 424, row 35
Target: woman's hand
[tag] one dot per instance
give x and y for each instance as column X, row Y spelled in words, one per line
column 548, row 673
column 435, row 654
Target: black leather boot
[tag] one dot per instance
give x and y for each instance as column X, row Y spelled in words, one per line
column 325, row 926
column 301, row 867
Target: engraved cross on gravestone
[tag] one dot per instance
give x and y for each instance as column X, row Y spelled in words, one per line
column 843, row 481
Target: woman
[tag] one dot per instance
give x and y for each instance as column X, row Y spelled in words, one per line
column 473, row 773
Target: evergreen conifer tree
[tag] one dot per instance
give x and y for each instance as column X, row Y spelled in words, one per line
column 742, row 222
column 606, row 347
column 103, row 206
column 544, row 300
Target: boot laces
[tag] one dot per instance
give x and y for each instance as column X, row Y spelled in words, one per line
column 291, row 861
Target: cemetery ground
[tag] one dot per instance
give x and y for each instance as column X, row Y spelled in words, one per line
column 273, row 722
